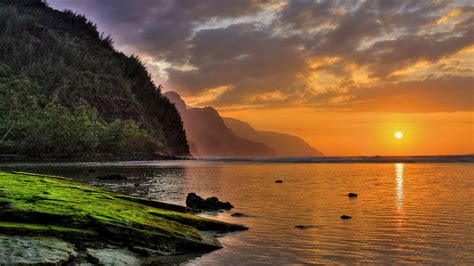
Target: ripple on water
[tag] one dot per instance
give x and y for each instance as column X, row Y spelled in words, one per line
column 405, row 213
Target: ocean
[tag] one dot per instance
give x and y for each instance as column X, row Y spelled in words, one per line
column 410, row 212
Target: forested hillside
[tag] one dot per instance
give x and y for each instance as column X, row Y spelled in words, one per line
column 64, row 90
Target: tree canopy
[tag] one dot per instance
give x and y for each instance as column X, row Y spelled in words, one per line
column 65, row 90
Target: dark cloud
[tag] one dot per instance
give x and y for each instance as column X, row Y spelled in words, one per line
column 243, row 57
column 276, row 53
column 158, row 28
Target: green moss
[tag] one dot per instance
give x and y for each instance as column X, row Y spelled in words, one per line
column 50, row 204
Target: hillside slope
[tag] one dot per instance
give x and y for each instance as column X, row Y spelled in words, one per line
column 283, row 144
column 56, row 67
column 209, row 136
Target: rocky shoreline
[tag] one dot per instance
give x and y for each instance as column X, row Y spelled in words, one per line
column 52, row 220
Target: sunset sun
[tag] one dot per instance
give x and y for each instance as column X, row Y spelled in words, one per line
column 398, row 135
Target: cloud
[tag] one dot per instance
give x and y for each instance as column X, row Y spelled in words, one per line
column 444, row 94
column 325, row 54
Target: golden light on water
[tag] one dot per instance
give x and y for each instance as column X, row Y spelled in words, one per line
column 398, row 135
column 399, row 187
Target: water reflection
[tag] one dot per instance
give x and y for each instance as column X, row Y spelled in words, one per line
column 399, row 180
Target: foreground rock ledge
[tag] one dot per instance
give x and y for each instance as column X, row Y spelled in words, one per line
column 89, row 217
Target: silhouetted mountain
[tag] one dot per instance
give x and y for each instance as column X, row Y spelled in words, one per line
column 283, row 144
column 208, row 135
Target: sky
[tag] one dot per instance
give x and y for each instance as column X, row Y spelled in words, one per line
column 343, row 75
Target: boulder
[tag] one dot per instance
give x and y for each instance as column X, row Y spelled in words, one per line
column 279, row 181
column 352, row 195
column 195, row 202
column 345, row 217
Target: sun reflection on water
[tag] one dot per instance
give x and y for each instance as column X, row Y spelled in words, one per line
column 399, row 180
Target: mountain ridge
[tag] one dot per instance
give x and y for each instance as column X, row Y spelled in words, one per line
column 209, row 136
column 285, row 145
column 207, row 130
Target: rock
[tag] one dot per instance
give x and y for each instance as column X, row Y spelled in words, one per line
column 100, row 217
column 352, row 195
column 27, row 250
column 91, row 170
column 302, row 227
column 345, row 217
column 238, row 214
column 279, row 181
column 112, row 177
column 110, row 256
column 195, row 202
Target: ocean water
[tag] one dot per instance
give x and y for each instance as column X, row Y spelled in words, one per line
column 405, row 213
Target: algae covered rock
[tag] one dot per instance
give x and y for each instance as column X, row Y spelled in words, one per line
column 15, row 250
column 85, row 214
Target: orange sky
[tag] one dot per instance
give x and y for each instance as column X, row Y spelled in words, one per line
column 337, row 133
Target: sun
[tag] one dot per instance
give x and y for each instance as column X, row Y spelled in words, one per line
column 398, row 135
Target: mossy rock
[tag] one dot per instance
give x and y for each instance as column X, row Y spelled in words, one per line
column 51, row 206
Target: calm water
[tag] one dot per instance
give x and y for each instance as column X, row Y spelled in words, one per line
column 405, row 213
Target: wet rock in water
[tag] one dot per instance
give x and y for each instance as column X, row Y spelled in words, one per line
column 279, row 181
column 195, row 202
column 345, row 217
column 91, row 170
column 302, row 227
column 238, row 214
column 112, row 177
column 352, row 195
column 110, row 256
column 27, row 250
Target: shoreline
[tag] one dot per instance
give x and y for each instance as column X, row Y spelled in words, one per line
column 78, row 222
column 322, row 160
column 15, row 158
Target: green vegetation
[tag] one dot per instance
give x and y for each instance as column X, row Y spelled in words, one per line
column 65, row 91
column 38, row 205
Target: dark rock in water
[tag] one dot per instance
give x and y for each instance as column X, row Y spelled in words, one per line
column 91, row 170
column 136, row 184
column 352, row 195
column 195, row 202
column 279, row 181
column 345, row 217
column 238, row 214
column 112, row 177
column 305, row 226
